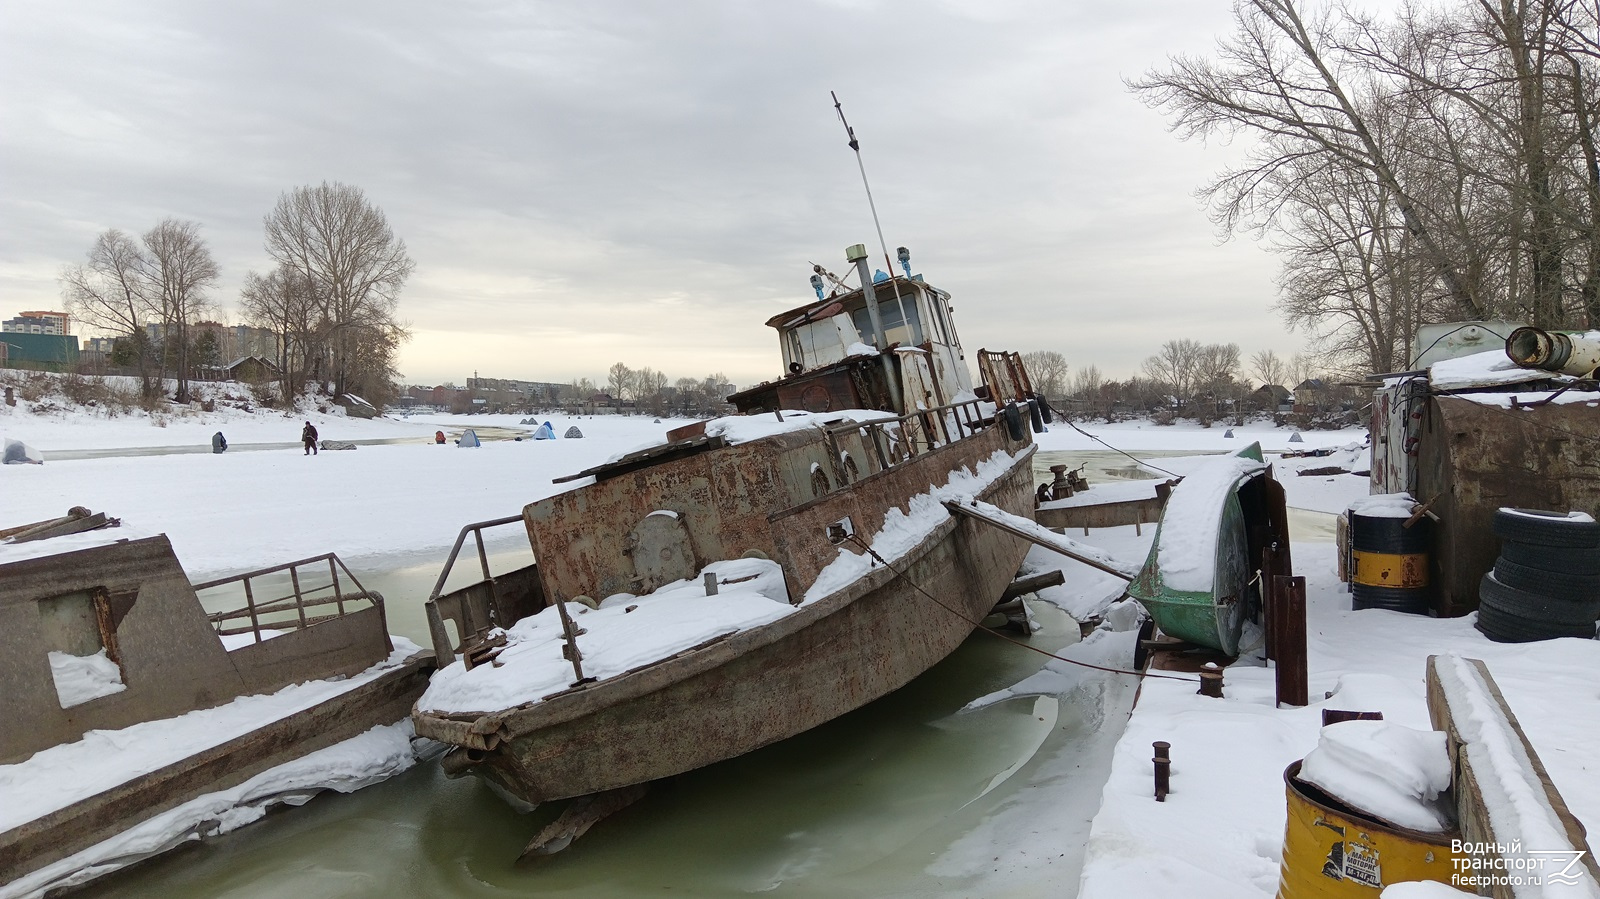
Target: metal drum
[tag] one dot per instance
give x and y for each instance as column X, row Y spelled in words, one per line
column 1330, row 850
column 1389, row 563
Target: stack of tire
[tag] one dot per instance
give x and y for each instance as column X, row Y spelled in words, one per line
column 1546, row 583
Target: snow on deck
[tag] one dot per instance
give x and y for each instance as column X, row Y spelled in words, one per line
column 55, row 778
column 903, row 530
column 1112, row 492
column 624, row 633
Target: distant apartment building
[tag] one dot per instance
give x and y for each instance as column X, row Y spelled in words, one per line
column 57, row 323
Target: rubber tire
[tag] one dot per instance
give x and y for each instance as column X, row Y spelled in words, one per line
column 1552, row 558
column 1546, row 529
column 1505, row 627
column 1560, row 614
column 1577, row 587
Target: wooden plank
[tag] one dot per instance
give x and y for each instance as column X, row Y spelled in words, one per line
column 1472, row 812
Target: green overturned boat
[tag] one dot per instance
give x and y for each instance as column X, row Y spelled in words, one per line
column 1222, row 523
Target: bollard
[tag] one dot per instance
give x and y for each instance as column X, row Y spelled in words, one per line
column 1211, row 681
column 1060, row 488
column 1163, row 765
column 711, row 583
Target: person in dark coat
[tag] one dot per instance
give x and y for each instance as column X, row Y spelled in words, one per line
column 308, row 436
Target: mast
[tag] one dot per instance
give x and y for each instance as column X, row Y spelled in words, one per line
column 914, row 329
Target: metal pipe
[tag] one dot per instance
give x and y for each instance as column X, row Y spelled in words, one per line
column 880, row 338
column 1565, row 352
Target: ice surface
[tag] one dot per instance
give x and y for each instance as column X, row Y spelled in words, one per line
column 1387, row 770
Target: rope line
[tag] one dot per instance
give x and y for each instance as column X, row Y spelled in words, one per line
column 979, row 625
column 1108, row 446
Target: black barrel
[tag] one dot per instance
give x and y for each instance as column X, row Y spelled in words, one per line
column 1389, row 563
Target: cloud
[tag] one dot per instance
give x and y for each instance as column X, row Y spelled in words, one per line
column 645, row 182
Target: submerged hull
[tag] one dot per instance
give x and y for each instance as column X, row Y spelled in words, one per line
column 765, row 684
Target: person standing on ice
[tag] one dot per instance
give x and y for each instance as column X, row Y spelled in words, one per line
column 308, row 436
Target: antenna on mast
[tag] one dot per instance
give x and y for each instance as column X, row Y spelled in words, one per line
column 855, row 145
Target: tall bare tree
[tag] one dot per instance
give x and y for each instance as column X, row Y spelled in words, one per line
column 109, row 292
column 179, row 271
column 285, row 302
column 343, row 244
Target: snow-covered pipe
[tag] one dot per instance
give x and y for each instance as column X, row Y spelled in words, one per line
column 1564, row 352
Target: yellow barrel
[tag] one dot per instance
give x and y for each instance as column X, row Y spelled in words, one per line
column 1330, row 850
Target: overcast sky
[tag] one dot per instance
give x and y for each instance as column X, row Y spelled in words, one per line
column 645, row 182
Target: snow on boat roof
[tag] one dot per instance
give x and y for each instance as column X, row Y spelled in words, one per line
column 745, row 428
column 1192, row 521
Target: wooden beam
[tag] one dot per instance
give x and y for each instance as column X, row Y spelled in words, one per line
column 1449, row 712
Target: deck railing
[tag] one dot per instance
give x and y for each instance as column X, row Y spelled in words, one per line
column 893, row 441
column 293, row 610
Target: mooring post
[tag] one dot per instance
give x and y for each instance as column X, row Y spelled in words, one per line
column 1163, row 763
column 1211, row 680
column 1290, row 625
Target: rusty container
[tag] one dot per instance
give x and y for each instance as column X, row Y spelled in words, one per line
column 1389, row 563
column 1331, row 850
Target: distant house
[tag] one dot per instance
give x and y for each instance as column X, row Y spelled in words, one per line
column 251, row 369
column 1310, row 395
column 1272, row 398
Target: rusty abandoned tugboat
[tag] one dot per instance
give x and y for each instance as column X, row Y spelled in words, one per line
column 714, row 594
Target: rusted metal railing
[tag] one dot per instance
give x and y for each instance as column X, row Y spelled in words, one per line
column 896, row 440
column 298, row 600
column 443, row 651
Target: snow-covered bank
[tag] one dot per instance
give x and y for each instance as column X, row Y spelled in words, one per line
column 233, row 512
column 1220, row 832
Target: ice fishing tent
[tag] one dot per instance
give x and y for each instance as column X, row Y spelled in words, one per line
column 470, row 438
column 18, row 453
column 545, row 432
column 573, row 432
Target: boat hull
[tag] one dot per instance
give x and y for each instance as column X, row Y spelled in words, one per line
column 756, row 687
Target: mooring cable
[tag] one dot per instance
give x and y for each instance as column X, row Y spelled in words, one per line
column 979, row 625
column 1108, row 446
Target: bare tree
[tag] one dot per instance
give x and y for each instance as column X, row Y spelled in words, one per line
column 285, row 302
column 1086, row 383
column 1048, row 371
column 619, row 381
column 1279, row 78
column 109, row 292
column 1269, row 368
column 344, row 246
column 178, row 270
column 1176, row 367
